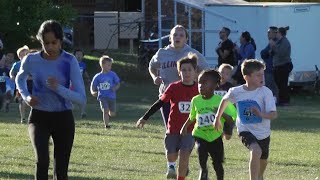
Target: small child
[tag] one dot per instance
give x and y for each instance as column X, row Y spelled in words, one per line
column 78, row 53
column 203, row 108
column 104, row 85
column 225, row 71
column 179, row 94
column 256, row 107
column 21, row 53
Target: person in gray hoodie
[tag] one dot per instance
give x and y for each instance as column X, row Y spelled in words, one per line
column 282, row 65
column 163, row 67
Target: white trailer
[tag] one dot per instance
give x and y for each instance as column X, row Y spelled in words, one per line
column 302, row 18
column 304, row 33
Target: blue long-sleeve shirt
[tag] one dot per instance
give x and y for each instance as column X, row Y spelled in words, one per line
column 247, row 51
column 65, row 69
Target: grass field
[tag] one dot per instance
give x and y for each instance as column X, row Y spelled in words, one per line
column 127, row 153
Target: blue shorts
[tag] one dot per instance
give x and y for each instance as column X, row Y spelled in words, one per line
column 107, row 103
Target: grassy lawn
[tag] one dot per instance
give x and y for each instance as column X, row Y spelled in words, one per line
column 127, row 153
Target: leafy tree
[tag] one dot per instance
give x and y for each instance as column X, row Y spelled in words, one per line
column 20, row 20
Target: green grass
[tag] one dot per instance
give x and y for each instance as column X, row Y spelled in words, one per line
column 125, row 152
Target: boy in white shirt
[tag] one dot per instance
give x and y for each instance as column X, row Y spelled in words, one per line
column 256, row 107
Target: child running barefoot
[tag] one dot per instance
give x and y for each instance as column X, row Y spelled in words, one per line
column 203, row 108
column 104, row 85
column 179, row 94
column 256, row 107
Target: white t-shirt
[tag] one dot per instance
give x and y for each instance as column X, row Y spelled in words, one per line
column 261, row 98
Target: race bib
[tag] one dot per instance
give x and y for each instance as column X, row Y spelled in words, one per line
column 246, row 114
column 104, row 86
column 2, row 79
column 184, row 106
column 220, row 93
column 206, row 119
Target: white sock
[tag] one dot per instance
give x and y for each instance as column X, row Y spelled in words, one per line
column 172, row 164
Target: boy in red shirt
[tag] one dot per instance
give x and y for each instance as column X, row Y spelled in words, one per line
column 179, row 94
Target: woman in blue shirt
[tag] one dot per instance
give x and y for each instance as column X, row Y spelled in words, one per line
column 246, row 51
column 52, row 70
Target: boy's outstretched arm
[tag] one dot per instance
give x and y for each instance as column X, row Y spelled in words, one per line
column 217, row 123
column 154, row 108
column 185, row 126
column 270, row 115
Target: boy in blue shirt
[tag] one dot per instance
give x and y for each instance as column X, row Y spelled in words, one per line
column 104, row 85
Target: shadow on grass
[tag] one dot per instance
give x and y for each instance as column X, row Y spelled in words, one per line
column 10, row 175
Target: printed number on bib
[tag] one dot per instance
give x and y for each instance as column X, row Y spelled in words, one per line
column 206, row 119
column 104, row 86
column 184, row 106
column 220, row 93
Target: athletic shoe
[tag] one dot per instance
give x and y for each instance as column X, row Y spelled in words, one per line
column 23, row 120
column 107, row 126
column 84, row 115
column 171, row 173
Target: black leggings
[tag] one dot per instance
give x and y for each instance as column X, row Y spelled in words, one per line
column 60, row 126
column 216, row 151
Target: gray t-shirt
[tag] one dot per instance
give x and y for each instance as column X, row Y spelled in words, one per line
column 165, row 60
column 261, row 98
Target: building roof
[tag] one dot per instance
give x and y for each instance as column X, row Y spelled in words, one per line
column 201, row 4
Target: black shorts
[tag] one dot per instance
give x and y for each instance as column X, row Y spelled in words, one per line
column 228, row 128
column 248, row 138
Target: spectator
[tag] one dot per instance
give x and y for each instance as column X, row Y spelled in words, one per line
column 225, row 48
column 266, row 55
column 246, row 51
column 282, row 65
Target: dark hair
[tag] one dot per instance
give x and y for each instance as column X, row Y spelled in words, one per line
column 246, row 35
column 273, row 28
column 78, row 50
column 250, row 65
column 283, row 30
column 191, row 58
column 213, row 74
column 50, row 26
column 227, row 30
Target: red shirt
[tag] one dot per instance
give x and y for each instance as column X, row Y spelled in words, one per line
column 180, row 96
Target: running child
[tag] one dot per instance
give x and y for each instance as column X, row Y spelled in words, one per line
column 21, row 53
column 104, row 85
column 225, row 71
column 203, row 111
column 179, row 94
column 78, row 53
column 256, row 108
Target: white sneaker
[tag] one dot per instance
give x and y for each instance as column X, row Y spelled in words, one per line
column 171, row 173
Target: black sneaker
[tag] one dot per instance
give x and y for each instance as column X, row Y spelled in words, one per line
column 108, row 126
column 84, row 115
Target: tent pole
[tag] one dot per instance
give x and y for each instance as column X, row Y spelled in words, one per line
column 159, row 24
